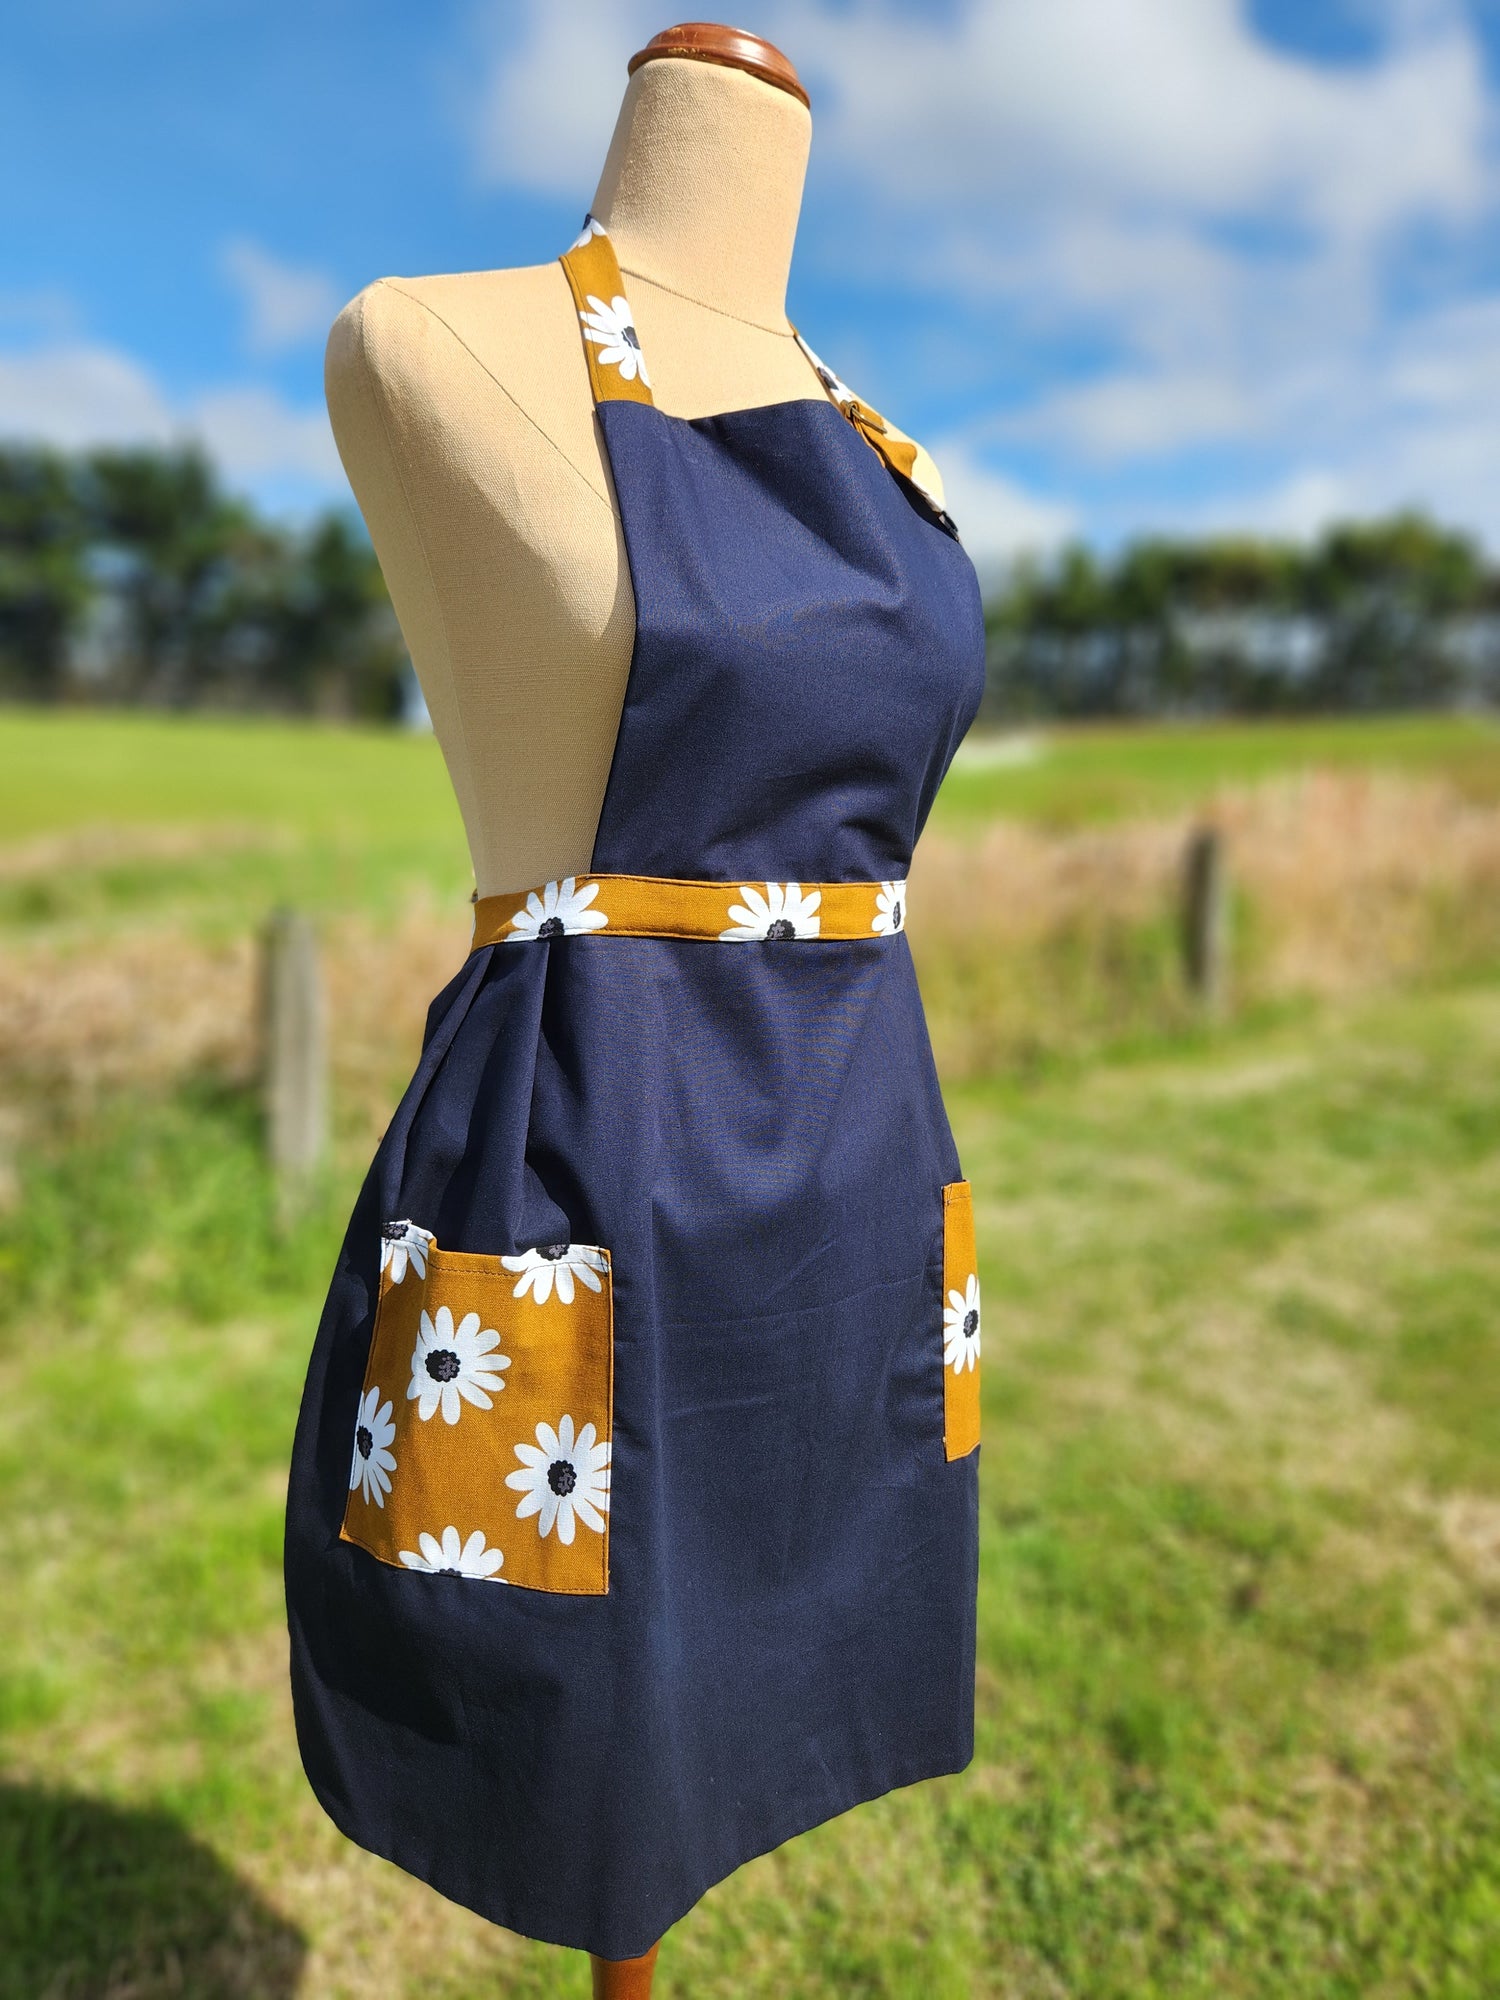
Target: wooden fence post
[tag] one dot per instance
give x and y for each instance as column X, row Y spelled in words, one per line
column 1205, row 918
column 294, row 1043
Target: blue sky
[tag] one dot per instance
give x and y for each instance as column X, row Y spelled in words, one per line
column 1134, row 264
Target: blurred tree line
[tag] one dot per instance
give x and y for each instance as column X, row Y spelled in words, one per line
column 131, row 576
column 1389, row 614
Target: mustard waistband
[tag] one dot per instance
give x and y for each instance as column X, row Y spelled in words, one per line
column 659, row 906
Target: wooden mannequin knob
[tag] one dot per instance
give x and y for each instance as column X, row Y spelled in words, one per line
column 731, row 48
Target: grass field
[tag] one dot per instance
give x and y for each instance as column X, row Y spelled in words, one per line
column 1239, row 1733
column 354, row 808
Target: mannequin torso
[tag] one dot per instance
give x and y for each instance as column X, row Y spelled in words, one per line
column 463, row 415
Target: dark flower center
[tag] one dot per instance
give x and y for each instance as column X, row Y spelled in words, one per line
column 971, row 1325
column 442, row 1364
column 553, row 1252
column 628, row 335
column 450, row 1572
column 550, row 927
column 781, row 928
column 364, row 1444
column 896, row 915
column 562, row 1476
column 393, row 1232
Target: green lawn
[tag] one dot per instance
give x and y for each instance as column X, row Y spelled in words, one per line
column 1238, row 1721
column 350, row 806
column 114, row 823
column 1081, row 776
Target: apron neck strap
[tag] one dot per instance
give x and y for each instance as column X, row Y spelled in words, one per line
column 899, row 454
column 617, row 368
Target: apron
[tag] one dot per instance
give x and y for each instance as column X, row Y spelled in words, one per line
column 632, row 1524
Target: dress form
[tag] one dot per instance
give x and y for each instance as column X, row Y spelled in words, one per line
column 462, row 412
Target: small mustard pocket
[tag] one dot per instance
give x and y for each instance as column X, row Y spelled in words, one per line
column 960, row 1322
column 482, row 1441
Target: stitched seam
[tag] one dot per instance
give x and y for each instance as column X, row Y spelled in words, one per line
column 520, row 408
column 684, row 881
column 723, row 312
column 696, row 937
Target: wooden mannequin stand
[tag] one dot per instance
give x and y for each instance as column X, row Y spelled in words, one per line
column 624, row 1978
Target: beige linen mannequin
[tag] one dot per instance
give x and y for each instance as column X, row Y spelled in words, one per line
column 462, row 413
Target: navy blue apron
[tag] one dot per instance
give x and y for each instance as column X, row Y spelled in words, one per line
column 632, row 1521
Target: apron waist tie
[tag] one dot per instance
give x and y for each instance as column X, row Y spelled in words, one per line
column 662, row 906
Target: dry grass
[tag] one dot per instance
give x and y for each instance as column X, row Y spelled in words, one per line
column 143, row 1009
column 1033, row 941
column 1029, row 941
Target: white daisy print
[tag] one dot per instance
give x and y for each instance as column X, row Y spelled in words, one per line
column 836, row 387
column 961, row 1327
column 452, row 1556
column 563, row 1479
column 783, row 911
column 449, row 1362
column 592, row 227
column 611, row 328
column 890, row 909
column 557, row 1264
column 403, row 1243
column 374, row 1462
column 562, row 908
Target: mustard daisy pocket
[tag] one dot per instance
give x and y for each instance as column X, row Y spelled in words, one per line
column 482, row 1438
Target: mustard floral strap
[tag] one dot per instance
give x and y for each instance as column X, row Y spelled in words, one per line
column 662, row 906
column 617, row 368
column 900, row 454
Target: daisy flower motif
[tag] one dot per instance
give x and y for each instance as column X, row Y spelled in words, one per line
column 561, row 908
column 563, row 1479
column 834, row 384
column 449, row 1362
column 403, row 1243
column 374, row 1461
column 592, row 227
column 454, row 1557
column 890, row 909
column 611, row 328
column 784, row 911
column 557, row 1264
column 961, row 1327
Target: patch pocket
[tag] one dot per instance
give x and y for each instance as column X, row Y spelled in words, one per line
column 482, row 1441
column 960, row 1322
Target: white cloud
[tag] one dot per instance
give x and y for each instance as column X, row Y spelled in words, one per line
column 1410, row 413
column 548, row 103
column 80, row 394
column 1131, row 415
column 1171, row 104
column 75, row 395
column 1171, row 241
column 1293, row 509
column 1411, row 421
column 45, row 313
column 997, row 518
column 255, row 435
column 285, row 304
